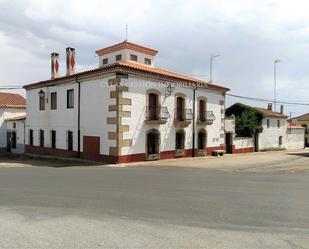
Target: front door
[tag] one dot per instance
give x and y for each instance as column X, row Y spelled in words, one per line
column 8, row 141
column 229, row 142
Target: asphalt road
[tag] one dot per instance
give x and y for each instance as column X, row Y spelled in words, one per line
column 149, row 207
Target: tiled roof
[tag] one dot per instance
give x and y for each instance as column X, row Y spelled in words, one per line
column 271, row 114
column 12, row 100
column 128, row 67
column 304, row 117
column 17, row 118
column 127, row 45
column 296, row 127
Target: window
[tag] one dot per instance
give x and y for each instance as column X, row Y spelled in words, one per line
column 105, row 61
column 202, row 110
column 42, row 101
column 278, row 123
column 153, row 111
column 14, row 140
column 70, row 140
column 53, row 139
column 280, row 140
column 70, row 98
column 147, row 61
column 14, row 125
column 268, row 123
column 180, row 140
column 133, row 57
column 53, row 100
column 180, row 105
column 31, row 137
column 118, row 57
column 41, row 138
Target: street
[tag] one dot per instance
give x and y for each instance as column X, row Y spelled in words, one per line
column 154, row 207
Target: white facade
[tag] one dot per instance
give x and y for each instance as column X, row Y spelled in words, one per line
column 274, row 134
column 6, row 113
column 18, row 127
column 243, row 143
column 296, row 138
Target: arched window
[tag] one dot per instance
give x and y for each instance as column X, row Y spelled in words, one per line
column 201, row 139
column 180, row 140
column 153, row 142
column 153, row 106
column 180, row 109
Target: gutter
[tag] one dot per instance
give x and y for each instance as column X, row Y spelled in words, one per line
column 78, row 117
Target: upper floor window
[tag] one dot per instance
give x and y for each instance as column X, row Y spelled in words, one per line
column 105, row 61
column 147, row 61
column 202, row 110
column 278, row 123
column 42, row 101
column 133, row 57
column 53, row 100
column 118, row 57
column 268, row 123
column 70, row 98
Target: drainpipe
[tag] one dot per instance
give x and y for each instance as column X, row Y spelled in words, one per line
column 78, row 118
column 193, row 130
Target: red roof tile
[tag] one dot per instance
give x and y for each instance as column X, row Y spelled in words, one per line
column 271, row 114
column 12, row 100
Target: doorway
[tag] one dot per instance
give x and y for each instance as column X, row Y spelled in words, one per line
column 153, row 144
column 229, row 142
column 9, row 141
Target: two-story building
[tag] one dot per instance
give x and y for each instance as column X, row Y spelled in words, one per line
column 125, row 110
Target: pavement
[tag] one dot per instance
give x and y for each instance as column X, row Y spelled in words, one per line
column 163, row 206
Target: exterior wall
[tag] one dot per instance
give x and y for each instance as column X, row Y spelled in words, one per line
column 269, row 138
column 126, row 56
column 20, row 134
column 303, row 123
column 4, row 114
column 295, row 138
column 243, row 144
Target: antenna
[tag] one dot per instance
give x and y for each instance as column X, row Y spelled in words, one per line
column 126, row 32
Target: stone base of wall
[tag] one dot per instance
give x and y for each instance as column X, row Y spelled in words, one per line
column 243, row 150
column 114, row 159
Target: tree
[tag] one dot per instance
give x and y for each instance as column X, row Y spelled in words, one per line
column 248, row 120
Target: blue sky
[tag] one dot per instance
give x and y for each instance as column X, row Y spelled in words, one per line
column 248, row 35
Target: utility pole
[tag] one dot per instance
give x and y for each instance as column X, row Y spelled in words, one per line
column 275, row 83
column 212, row 57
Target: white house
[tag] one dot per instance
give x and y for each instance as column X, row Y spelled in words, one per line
column 15, row 127
column 11, row 105
column 125, row 110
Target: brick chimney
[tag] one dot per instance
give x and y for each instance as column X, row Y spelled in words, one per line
column 70, row 61
column 270, row 107
column 281, row 109
column 54, row 65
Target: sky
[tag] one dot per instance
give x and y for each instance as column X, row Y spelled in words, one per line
column 249, row 35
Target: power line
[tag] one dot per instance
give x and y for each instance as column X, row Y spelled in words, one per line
column 267, row 100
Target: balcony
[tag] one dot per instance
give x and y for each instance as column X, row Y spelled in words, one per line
column 206, row 118
column 183, row 118
column 156, row 115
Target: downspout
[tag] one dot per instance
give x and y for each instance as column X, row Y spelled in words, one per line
column 78, row 118
column 193, row 130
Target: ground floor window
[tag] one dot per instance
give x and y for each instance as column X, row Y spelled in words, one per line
column 180, row 140
column 153, row 142
column 14, row 140
column 201, row 140
column 53, row 139
column 31, row 137
column 280, row 140
column 41, row 137
column 70, row 140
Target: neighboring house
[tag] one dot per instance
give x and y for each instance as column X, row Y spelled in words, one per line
column 303, row 121
column 125, row 110
column 16, row 134
column 11, row 105
column 295, row 137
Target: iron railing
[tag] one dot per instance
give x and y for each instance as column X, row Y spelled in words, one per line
column 183, row 115
column 207, row 116
column 157, row 113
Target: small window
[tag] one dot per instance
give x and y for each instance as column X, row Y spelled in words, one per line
column 278, row 123
column 42, row 101
column 70, row 98
column 31, row 137
column 268, row 123
column 53, row 139
column 14, row 125
column 41, row 134
column 280, row 140
column 118, row 57
column 133, row 57
column 105, row 61
column 147, row 61
column 14, row 138
column 53, row 100
column 70, row 140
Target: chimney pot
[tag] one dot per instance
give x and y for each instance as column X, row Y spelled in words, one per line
column 70, row 52
column 55, row 65
column 270, row 107
column 281, row 109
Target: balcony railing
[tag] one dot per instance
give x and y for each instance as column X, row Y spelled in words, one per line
column 183, row 117
column 206, row 117
column 157, row 114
